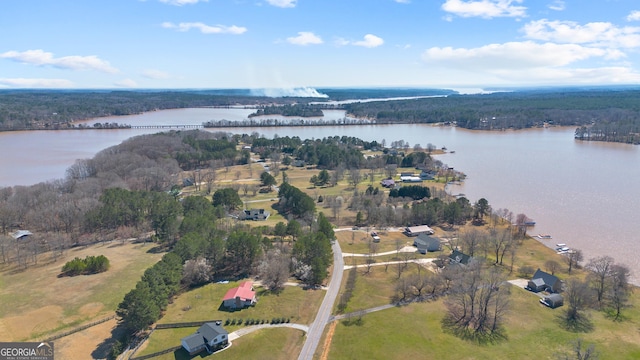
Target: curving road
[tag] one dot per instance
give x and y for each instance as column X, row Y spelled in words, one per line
column 324, row 313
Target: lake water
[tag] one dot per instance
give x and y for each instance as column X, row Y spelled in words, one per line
column 584, row 194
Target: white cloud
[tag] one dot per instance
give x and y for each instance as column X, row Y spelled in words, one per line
column 514, row 56
column 369, row 41
column 155, row 74
column 557, row 5
column 42, row 58
column 126, row 83
column 206, row 29
column 305, row 38
column 283, row 3
column 341, row 42
column 485, row 8
column 36, row 83
column 403, row 1
column 634, row 16
column 595, row 33
column 551, row 76
column 181, row 2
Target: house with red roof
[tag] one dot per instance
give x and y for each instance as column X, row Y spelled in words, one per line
column 240, row 297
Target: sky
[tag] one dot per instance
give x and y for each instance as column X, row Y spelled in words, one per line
column 305, row 44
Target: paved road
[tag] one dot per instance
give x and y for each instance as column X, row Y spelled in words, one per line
column 324, row 313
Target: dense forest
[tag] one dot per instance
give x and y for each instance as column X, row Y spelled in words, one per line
column 54, row 109
column 599, row 114
column 615, row 115
column 300, row 110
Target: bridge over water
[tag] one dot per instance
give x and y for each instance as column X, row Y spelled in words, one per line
column 174, row 126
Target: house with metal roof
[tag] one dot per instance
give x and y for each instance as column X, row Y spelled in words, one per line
column 240, row 297
column 21, row 234
column 417, row 230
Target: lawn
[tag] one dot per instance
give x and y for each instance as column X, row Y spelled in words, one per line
column 375, row 288
column 357, row 241
column 203, row 303
column 37, row 303
column 266, row 344
column 532, row 332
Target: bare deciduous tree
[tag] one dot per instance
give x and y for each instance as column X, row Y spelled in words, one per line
column 354, row 177
column 600, row 271
column 579, row 353
column 551, row 266
column 197, row 271
column 478, row 300
column 472, row 239
column 618, row 295
column 573, row 259
column 578, row 296
column 274, row 269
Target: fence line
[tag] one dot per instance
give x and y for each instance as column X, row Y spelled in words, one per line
column 184, row 324
column 149, row 356
column 83, row 327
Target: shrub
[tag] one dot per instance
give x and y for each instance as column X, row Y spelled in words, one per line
column 88, row 265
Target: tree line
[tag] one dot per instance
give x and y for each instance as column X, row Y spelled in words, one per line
column 300, row 110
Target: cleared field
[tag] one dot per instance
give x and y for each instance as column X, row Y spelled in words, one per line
column 37, row 303
column 532, row 332
column 375, row 288
column 357, row 241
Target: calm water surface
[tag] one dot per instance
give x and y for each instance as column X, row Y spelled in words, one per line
column 584, row 194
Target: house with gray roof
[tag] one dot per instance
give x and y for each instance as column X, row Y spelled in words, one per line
column 458, row 257
column 552, row 300
column 426, row 243
column 542, row 281
column 210, row 336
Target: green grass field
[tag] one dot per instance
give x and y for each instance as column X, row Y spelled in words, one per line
column 37, row 303
column 267, row 344
column 204, row 304
column 532, row 332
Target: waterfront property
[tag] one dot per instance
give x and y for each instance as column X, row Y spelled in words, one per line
column 542, row 281
column 411, row 179
column 552, row 300
column 240, row 297
column 210, row 336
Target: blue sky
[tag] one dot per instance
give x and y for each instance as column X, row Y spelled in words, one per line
column 317, row 43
